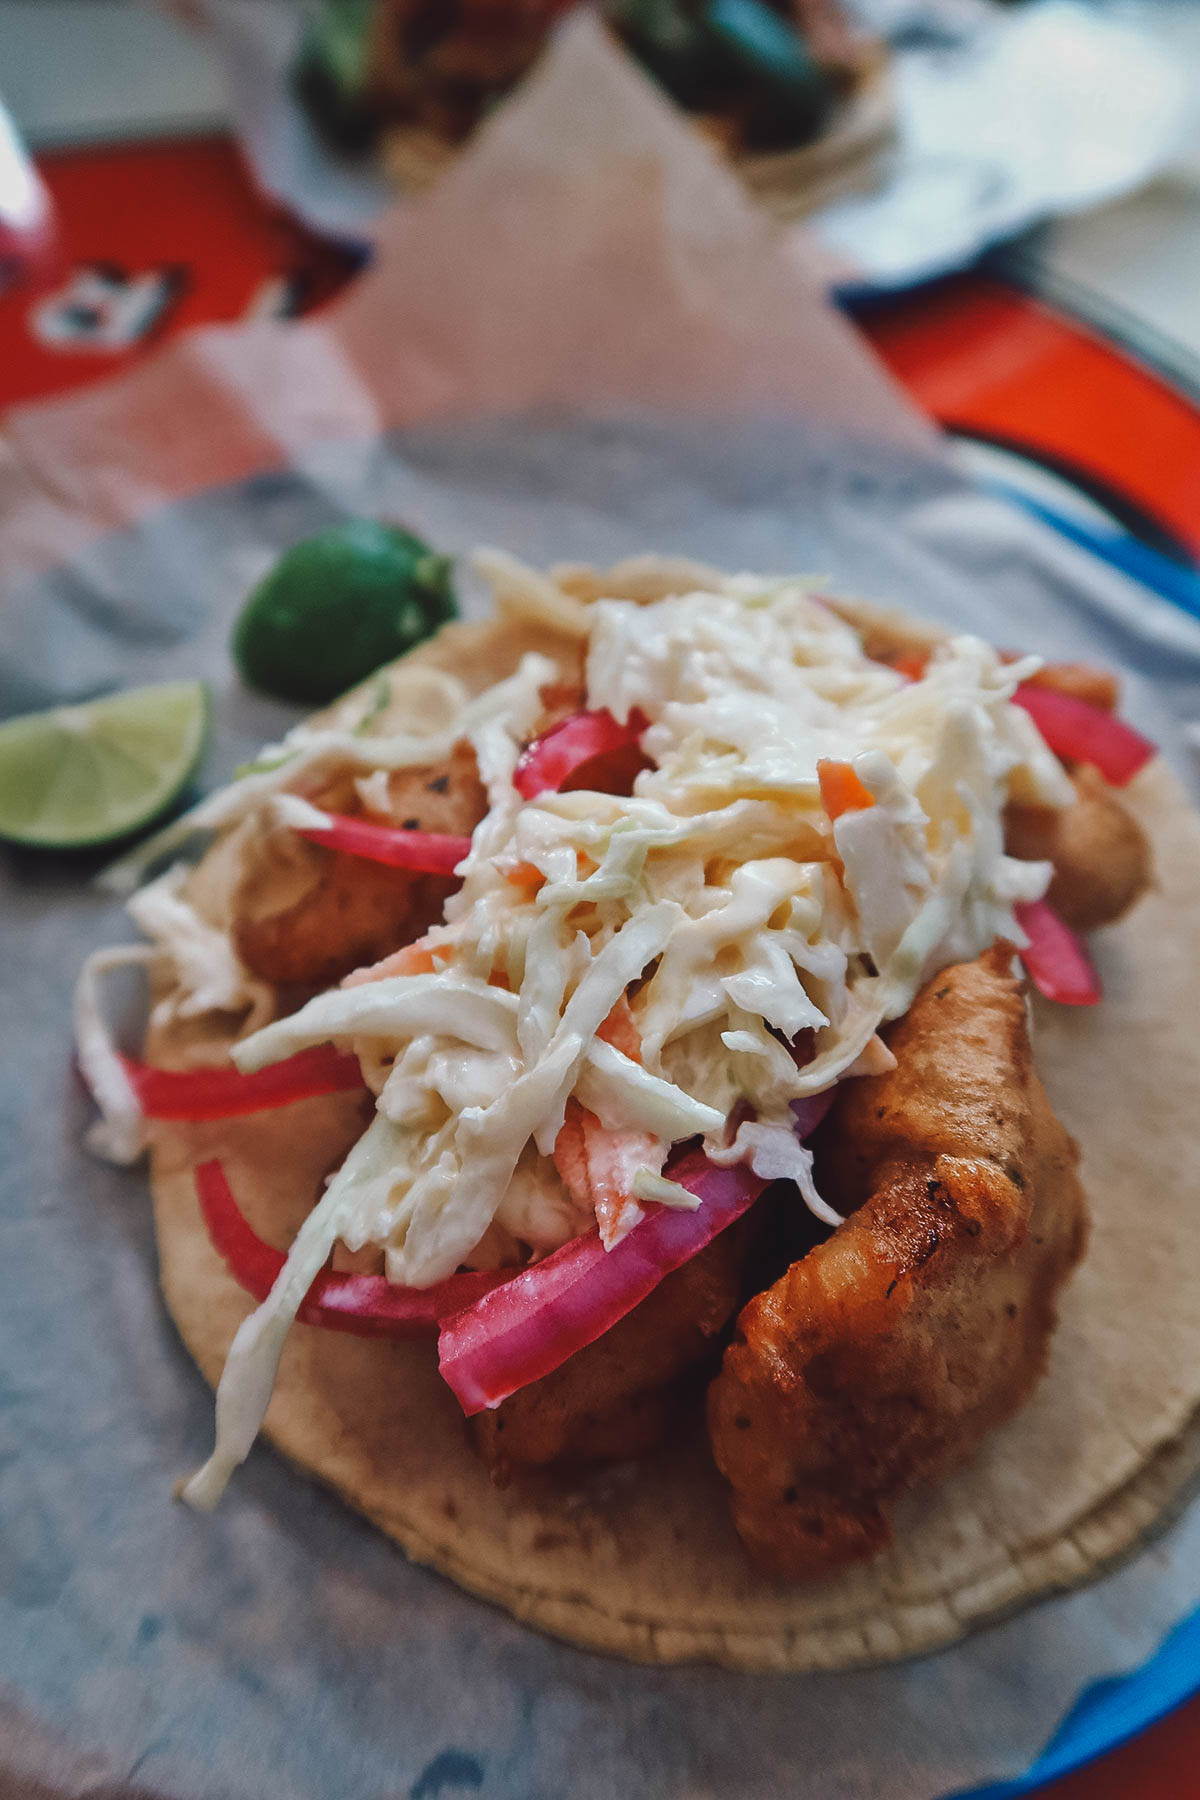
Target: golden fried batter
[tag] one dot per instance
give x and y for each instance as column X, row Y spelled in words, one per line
column 1100, row 853
column 305, row 915
column 885, row 1355
column 617, row 1397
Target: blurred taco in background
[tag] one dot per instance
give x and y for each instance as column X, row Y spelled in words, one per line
column 789, row 89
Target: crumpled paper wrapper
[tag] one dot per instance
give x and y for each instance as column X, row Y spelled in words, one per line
column 584, row 360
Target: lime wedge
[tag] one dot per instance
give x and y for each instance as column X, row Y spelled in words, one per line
column 87, row 774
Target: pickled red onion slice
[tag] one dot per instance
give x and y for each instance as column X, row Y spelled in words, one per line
column 567, row 748
column 522, row 1331
column 424, row 852
column 1058, row 964
column 225, row 1093
column 1081, row 733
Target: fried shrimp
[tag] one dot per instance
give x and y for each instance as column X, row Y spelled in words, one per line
column 884, row 1356
column 1101, row 855
column 305, row 915
column 617, row 1397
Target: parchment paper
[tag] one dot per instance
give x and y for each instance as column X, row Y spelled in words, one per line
column 575, row 362
column 1004, row 117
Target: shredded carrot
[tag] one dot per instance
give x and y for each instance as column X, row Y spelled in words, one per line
column 414, row 959
column 524, row 874
column 911, row 663
column 841, row 790
column 620, row 1031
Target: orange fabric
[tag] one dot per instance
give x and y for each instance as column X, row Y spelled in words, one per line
column 986, row 359
column 183, row 205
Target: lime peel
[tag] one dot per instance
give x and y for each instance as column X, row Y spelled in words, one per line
column 339, row 605
column 95, row 771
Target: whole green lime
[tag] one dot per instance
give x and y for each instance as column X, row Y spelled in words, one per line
column 336, row 606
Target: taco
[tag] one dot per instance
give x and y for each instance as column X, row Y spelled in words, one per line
column 790, row 91
column 638, row 972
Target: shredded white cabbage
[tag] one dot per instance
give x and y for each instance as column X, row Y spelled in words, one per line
column 208, row 976
column 772, row 1150
column 119, row 1134
column 720, row 897
column 250, row 1367
column 646, row 1185
column 204, row 975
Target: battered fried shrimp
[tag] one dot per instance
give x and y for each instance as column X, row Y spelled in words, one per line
column 305, row 915
column 616, row 1398
column 449, row 798
column 1100, row 853
column 884, row 1357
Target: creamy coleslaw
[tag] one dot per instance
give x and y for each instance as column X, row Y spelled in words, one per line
column 719, row 902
